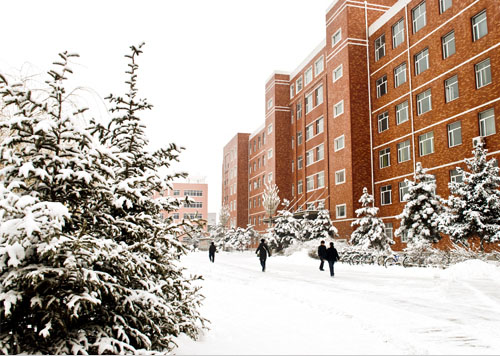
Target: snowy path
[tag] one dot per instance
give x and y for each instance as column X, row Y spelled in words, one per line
column 293, row 308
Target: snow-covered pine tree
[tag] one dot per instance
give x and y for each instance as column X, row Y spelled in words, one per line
column 421, row 214
column 286, row 230
column 321, row 226
column 270, row 199
column 473, row 208
column 224, row 216
column 370, row 231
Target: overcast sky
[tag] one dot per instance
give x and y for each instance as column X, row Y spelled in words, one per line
column 204, row 66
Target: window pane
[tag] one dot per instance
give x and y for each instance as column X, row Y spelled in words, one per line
column 383, row 121
column 400, row 75
column 418, row 16
column 448, row 44
column 479, row 25
column 451, row 88
column 402, row 112
column 455, row 134
column 483, row 73
column 380, row 47
column 421, row 61
column 487, row 123
column 398, row 33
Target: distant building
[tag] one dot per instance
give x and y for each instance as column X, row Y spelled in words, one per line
column 211, row 221
column 395, row 82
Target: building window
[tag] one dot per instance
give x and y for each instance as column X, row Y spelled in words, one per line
column 448, row 42
column 308, row 75
column 299, row 110
column 269, row 130
column 385, row 157
column 400, row 75
column 487, row 123
column 381, row 86
column 269, row 104
column 299, row 162
column 403, row 190
column 293, row 142
column 340, row 177
column 299, row 138
column 269, row 178
column 309, row 131
column 455, row 134
column 451, row 88
column 175, row 216
column 379, row 47
column 479, row 26
column 404, row 151
column 270, row 154
column 340, row 211
column 293, row 190
column 319, row 66
column 426, row 143
column 444, row 5
column 319, row 123
column 293, row 165
column 309, row 157
column 383, row 121
column 339, row 143
column 483, row 73
column 386, row 195
column 193, row 193
column 318, row 95
column 308, row 103
column 338, row 109
column 424, row 102
column 456, row 177
column 404, row 236
column 398, row 33
column 388, row 230
column 337, row 73
column 402, row 112
column 292, row 90
column 320, row 152
column 421, row 61
column 336, row 37
column 298, row 84
column 309, row 183
column 177, row 192
column 321, row 179
column 418, row 16
column 299, row 187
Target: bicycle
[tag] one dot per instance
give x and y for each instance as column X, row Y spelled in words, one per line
column 394, row 260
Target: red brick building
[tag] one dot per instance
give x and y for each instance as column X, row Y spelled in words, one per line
column 396, row 82
column 195, row 189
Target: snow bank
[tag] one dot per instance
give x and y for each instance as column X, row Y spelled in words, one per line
column 472, row 269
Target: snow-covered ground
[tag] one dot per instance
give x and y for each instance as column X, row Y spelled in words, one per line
column 293, row 308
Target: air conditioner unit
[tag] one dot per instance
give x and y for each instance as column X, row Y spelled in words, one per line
column 477, row 140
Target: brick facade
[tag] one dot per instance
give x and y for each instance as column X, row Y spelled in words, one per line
column 366, row 120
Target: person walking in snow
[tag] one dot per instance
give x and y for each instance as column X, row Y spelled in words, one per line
column 322, row 255
column 211, row 252
column 332, row 256
column 263, row 252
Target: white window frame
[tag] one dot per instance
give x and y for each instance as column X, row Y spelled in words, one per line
column 420, row 59
column 403, row 190
column 269, row 179
column 317, row 97
column 340, row 211
column 336, row 76
column 319, row 151
column 299, row 85
column 309, row 131
column 338, row 109
column 478, row 31
column 398, row 37
column 448, row 44
column 483, row 75
column 309, row 183
column 270, row 153
column 300, row 187
column 337, row 141
column 388, row 229
column 269, row 129
column 337, row 37
column 292, row 90
column 454, row 133
column 383, row 190
column 421, row 97
column 417, row 21
column 299, row 138
column 300, row 162
column 309, row 157
column 379, row 47
column 485, row 117
column 422, row 143
column 404, row 153
column 340, row 177
column 381, row 119
column 308, row 101
column 456, row 177
column 381, row 85
column 444, row 5
column 399, row 109
column 320, row 180
column 384, row 156
column 451, row 89
column 319, row 125
column 299, row 109
column 322, row 61
column 400, row 75
column 308, row 75
column 269, row 103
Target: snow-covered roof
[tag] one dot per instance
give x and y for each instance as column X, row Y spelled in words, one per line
column 261, row 127
column 387, row 16
column 311, row 55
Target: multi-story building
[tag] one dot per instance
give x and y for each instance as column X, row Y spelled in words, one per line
column 394, row 83
column 197, row 191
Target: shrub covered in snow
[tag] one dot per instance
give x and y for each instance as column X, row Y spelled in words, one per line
column 88, row 264
column 320, row 226
column 473, row 209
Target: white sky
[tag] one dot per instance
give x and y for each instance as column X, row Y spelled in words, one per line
column 204, row 65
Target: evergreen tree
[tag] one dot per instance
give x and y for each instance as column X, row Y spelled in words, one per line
column 319, row 227
column 286, row 230
column 87, row 262
column 473, row 209
column 421, row 214
column 370, row 231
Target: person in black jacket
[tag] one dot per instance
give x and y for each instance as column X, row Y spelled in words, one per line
column 263, row 251
column 211, row 252
column 322, row 255
column 332, row 256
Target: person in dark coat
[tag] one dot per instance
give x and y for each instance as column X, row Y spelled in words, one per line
column 332, row 256
column 322, row 255
column 211, row 252
column 263, row 252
